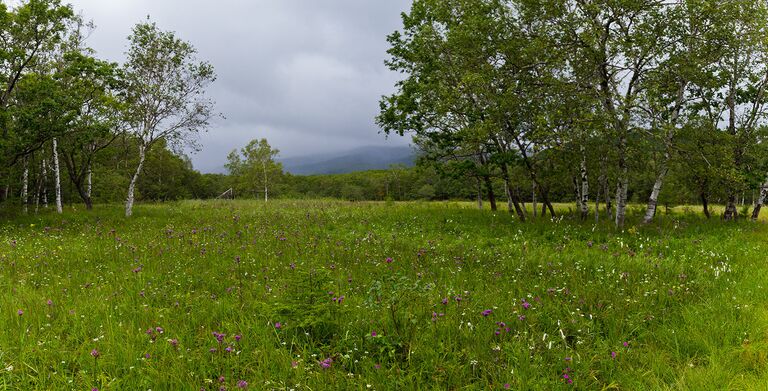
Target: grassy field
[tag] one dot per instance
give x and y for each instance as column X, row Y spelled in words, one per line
column 357, row 296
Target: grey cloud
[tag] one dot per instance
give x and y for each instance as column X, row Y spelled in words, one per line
column 307, row 75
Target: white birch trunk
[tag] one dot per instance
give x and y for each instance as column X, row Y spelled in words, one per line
column 25, row 185
column 45, row 184
column 623, row 184
column 653, row 200
column 90, row 182
column 760, row 200
column 621, row 198
column 132, row 186
column 584, row 187
column 57, row 176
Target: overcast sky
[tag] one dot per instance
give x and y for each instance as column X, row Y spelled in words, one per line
column 305, row 74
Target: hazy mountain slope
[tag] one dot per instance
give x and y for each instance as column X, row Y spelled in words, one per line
column 359, row 159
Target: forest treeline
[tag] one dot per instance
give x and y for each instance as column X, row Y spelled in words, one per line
column 596, row 102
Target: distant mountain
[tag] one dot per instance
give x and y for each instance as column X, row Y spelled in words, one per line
column 358, row 159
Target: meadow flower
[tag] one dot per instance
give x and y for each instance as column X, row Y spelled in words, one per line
column 507, row 386
column 242, row 384
column 613, row 355
column 228, row 349
column 222, row 379
column 238, row 337
column 49, row 302
column 526, row 304
column 219, row 336
column 20, row 312
column 294, row 364
column 325, row 364
column 174, row 342
column 445, row 301
column 373, row 334
column 389, row 260
column 95, row 353
column 278, row 325
column 487, row 312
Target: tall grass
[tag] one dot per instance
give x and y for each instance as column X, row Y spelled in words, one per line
column 334, row 295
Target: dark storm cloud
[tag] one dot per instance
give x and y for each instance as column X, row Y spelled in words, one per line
column 307, row 75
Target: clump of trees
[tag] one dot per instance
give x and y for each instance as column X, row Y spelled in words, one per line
column 63, row 109
column 612, row 98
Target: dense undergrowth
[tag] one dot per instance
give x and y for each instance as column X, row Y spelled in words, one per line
column 333, row 295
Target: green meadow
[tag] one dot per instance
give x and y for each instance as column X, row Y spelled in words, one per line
column 330, row 295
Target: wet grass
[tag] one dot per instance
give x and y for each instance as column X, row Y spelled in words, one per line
column 333, row 295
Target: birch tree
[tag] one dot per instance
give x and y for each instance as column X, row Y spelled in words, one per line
column 165, row 93
column 254, row 168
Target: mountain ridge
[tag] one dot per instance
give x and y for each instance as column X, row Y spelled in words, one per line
column 357, row 159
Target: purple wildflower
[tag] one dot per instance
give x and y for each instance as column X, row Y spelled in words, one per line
column 325, row 364
column 242, row 384
column 95, row 353
column 487, row 312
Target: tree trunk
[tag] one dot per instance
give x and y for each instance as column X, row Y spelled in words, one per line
column 731, row 213
column 45, row 184
column 760, row 200
column 25, row 185
column 134, row 179
column 705, row 204
column 584, row 187
column 57, row 176
column 623, row 183
column 653, row 200
column 545, row 201
column 38, row 192
column 512, row 199
column 577, row 193
column 491, row 195
column 597, row 205
column 90, row 181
